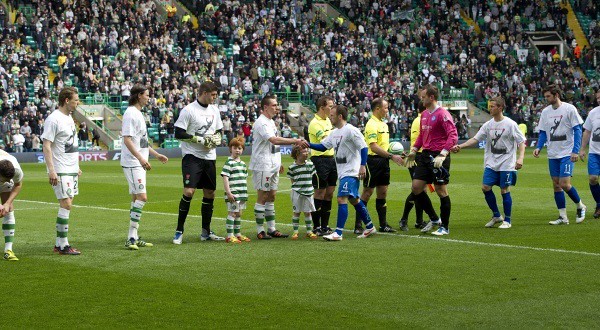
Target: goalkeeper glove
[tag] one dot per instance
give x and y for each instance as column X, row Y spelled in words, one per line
column 216, row 138
column 197, row 139
column 410, row 159
column 438, row 161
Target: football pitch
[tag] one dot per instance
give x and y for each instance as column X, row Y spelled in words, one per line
column 530, row 276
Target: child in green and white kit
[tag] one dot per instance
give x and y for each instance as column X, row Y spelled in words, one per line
column 235, row 175
column 301, row 173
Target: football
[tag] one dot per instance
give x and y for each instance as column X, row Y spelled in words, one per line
column 396, row 148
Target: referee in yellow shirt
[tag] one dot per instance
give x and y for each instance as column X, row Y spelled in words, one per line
column 325, row 180
column 377, row 136
column 415, row 129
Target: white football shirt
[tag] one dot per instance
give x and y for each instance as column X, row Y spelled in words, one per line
column 199, row 121
column 592, row 124
column 134, row 126
column 265, row 155
column 347, row 143
column 558, row 124
column 502, row 139
column 60, row 130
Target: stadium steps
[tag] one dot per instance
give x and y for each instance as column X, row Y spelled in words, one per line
column 575, row 26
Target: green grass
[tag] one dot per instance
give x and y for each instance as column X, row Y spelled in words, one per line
column 532, row 275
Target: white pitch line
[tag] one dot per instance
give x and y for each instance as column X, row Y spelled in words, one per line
column 508, row 246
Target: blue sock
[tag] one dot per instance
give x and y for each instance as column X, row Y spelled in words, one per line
column 559, row 198
column 574, row 195
column 490, row 198
column 595, row 189
column 363, row 214
column 342, row 216
column 507, row 203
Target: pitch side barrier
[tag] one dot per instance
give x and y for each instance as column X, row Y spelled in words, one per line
column 94, row 156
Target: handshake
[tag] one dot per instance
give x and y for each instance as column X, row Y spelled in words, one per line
column 209, row 141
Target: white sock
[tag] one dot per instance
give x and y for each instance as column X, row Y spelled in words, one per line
column 563, row 213
column 580, row 205
column 135, row 216
column 62, row 241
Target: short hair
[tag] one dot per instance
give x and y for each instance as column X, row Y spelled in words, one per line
column 66, row 93
column 208, row 87
column 322, row 101
column 295, row 150
column 341, row 110
column 267, row 99
column 377, row 103
column 499, row 101
column 237, row 142
column 7, row 169
column 431, row 90
column 552, row 89
column 136, row 90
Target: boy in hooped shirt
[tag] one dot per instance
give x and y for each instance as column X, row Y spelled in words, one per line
column 301, row 173
column 235, row 174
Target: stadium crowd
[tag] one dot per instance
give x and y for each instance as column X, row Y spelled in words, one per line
column 107, row 46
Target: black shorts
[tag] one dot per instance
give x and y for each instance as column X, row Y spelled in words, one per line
column 378, row 172
column 326, row 172
column 198, row 173
column 426, row 172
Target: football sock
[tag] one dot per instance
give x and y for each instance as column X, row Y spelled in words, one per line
column 418, row 212
column 237, row 226
column 270, row 216
column 361, row 210
column 295, row 223
column 325, row 213
column 62, row 227
column 184, row 208
column 342, row 215
column 490, row 198
column 309, row 223
column 559, row 198
column 424, row 202
column 507, row 204
column 574, row 195
column 8, row 228
column 445, row 207
column 229, row 225
column 381, row 208
column 358, row 220
column 207, row 212
column 408, row 205
column 135, row 215
column 316, row 215
column 259, row 215
column 595, row 189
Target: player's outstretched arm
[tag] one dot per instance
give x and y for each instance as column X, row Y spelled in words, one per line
column 469, row 143
column 317, row 146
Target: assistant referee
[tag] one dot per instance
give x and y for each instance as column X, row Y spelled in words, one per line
column 325, row 180
column 377, row 137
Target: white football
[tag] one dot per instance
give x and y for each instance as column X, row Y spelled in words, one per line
column 396, row 148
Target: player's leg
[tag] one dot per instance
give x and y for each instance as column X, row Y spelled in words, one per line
column 136, row 179
column 364, row 198
column 319, row 195
column 270, row 208
column 309, row 224
column 237, row 224
column 567, row 168
column 445, row 208
column 594, row 172
column 190, row 169
column 507, row 206
column 8, row 229
column 491, row 178
column 381, row 208
column 230, row 222
column 65, row 191
column 208, row 183
column 262, row 187
column 326, row 205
